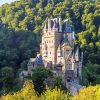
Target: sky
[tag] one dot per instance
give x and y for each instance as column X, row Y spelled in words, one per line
column 6, row 1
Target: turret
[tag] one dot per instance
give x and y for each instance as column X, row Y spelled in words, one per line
column 73, row 60
column 77, row 54
column 67, row 26
column 65, row 40
column 59, row 51
column 45, row 27
column 54, row 26
column 60, row 25
column 45, row 51
column 49, row 24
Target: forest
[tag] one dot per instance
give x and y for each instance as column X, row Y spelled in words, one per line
column 21, row 25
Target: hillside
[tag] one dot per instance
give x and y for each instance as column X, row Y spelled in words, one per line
column 22, row 22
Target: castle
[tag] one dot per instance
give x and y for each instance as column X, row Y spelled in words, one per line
column 58, row 50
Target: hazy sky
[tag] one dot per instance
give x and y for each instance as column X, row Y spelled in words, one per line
column 6, row 1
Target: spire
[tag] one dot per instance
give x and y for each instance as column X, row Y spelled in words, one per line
column 59, row 47
column 45, row 27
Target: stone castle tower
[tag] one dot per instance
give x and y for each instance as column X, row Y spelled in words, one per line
column 58, row 47
column 51, row 38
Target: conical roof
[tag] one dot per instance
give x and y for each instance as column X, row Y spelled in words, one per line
column 65, row 42
column 65, row 38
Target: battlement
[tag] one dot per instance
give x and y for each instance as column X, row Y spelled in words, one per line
column 53, row 25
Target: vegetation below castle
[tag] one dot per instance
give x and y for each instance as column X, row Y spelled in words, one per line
column 28, row 92
column 22, row 22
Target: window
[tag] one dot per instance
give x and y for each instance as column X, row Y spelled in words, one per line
column 67, row 50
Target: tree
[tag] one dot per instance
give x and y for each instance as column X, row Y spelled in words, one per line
column 88, row 93
column 22, row 22
column 57, row 82
column 91, row 74
column 7, row 74
column 55, row 94
column 28, row 92
column 38, row 77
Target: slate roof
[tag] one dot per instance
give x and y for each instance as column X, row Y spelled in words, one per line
column 76, row 85
column 38, row 60
column 65, row 40
column 68, row 27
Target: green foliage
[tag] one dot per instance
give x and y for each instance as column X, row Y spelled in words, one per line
column 39, row 75
column 28, row 92
column 88, row 93
column 30, row 15
column 55, row 94
column 57, row 82
column 24, row 94
column 7, row 74
column 16, row 47
column 22, row 22
column 6, row 79
column 91, row 74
